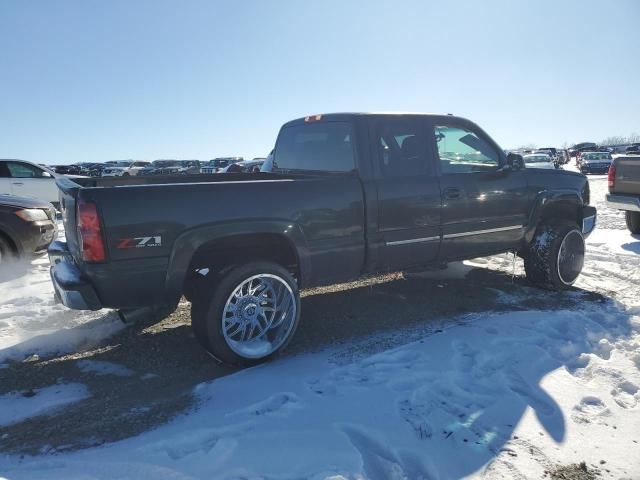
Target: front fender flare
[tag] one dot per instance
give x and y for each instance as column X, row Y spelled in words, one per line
column 548, row 199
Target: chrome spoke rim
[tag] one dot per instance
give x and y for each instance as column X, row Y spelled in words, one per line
column 571, row 257
column 259, row 316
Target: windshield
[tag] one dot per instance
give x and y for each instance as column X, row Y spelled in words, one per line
column 597, row 156
column 122, row 164
column 536, row 158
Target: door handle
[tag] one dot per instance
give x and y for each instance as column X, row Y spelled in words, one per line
column 452, row 193
column 17, row 183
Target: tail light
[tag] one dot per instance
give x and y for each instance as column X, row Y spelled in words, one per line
column 612, row 177
column 90, row 232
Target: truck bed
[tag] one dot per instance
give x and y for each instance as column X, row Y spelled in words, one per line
column 153, row 224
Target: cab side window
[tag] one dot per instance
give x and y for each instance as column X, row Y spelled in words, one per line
column 463, row 151
column 24, row 170
column 402, row 148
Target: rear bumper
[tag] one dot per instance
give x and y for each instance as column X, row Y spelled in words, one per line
column 71, row 289
column 630, row 203
column 589, row 217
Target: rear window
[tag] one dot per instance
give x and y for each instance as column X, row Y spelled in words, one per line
column 323, row 146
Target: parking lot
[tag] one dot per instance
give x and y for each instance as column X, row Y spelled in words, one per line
column 130, row 380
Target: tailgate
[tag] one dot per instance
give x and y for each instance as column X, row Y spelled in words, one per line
column 627, row 175
column 67, row 194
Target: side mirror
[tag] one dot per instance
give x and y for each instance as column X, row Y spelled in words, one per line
column 46, row 175
column 515, row 162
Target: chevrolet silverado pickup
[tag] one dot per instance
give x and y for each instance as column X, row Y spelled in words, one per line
column 624, row 189
column 348, row 195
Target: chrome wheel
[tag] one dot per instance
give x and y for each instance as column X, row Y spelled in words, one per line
column 259, row 316
column 571, row 257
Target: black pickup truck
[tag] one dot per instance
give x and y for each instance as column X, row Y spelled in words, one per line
column 349, row 195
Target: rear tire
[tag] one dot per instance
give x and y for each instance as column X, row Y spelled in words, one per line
column 247, row 315
column 633, row 222
column 555, row 257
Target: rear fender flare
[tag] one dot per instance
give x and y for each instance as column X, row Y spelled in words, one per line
column 190, row 241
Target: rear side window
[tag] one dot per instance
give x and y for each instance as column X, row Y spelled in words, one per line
column 402, row 147
column 322, row 146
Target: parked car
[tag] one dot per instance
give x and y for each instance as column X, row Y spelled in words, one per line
column 154, row 166
column 27, row 179
column 594, row 162
column 624, row 189
column 563, row 156
column 539, row 160
column 245, row 166
column 267, row 166
column 124, row 168
column 180, row 167
column 430, row 184
column 66, row 169
column 27, row 226
column 217, row 164
column 552, row 152
column 578, row 147
column 632, row 149
column 172, row 167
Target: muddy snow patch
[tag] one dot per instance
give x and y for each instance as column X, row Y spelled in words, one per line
column 18, row 406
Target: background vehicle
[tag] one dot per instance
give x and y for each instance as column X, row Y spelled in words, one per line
column 180, row 167
column 350, row 195
column 594, row 162
column 66, row 169
column 245, row 166
column 624, row 189
column 26, row 179
column 539, row 160
column 267, row 166
column 217, row 164
column 574, row 149
column 633, row 149
column 123, row 168
column 27, row 226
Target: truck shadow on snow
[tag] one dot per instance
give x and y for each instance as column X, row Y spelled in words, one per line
column 633, row 246
column 144, row 375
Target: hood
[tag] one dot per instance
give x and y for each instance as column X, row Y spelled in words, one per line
column 23, row 202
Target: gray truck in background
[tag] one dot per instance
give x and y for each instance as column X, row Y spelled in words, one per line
column 624, row 189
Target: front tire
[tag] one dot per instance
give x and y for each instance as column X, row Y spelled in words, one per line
column 248, row 315
column 633, row 222
column 555, row 257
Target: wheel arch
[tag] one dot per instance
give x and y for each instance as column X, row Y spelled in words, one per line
column 7, row 235
column 223, row 244
column 554, row 206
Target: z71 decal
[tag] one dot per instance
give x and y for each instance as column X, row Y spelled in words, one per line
column 140, row 242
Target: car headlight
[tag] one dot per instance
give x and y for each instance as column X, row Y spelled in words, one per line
column 32, row 214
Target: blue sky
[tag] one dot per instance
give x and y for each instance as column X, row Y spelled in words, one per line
column 93, row 80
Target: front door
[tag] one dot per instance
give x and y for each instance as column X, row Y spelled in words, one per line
column 484, row 202
column 408, row 192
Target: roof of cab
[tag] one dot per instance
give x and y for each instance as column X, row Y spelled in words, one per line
column 343, row 116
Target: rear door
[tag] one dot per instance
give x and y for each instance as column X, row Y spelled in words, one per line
column 29, row 180
column 408, row 192
column 484, row 204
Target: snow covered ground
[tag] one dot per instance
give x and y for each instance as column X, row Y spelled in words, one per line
column 489, row 395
